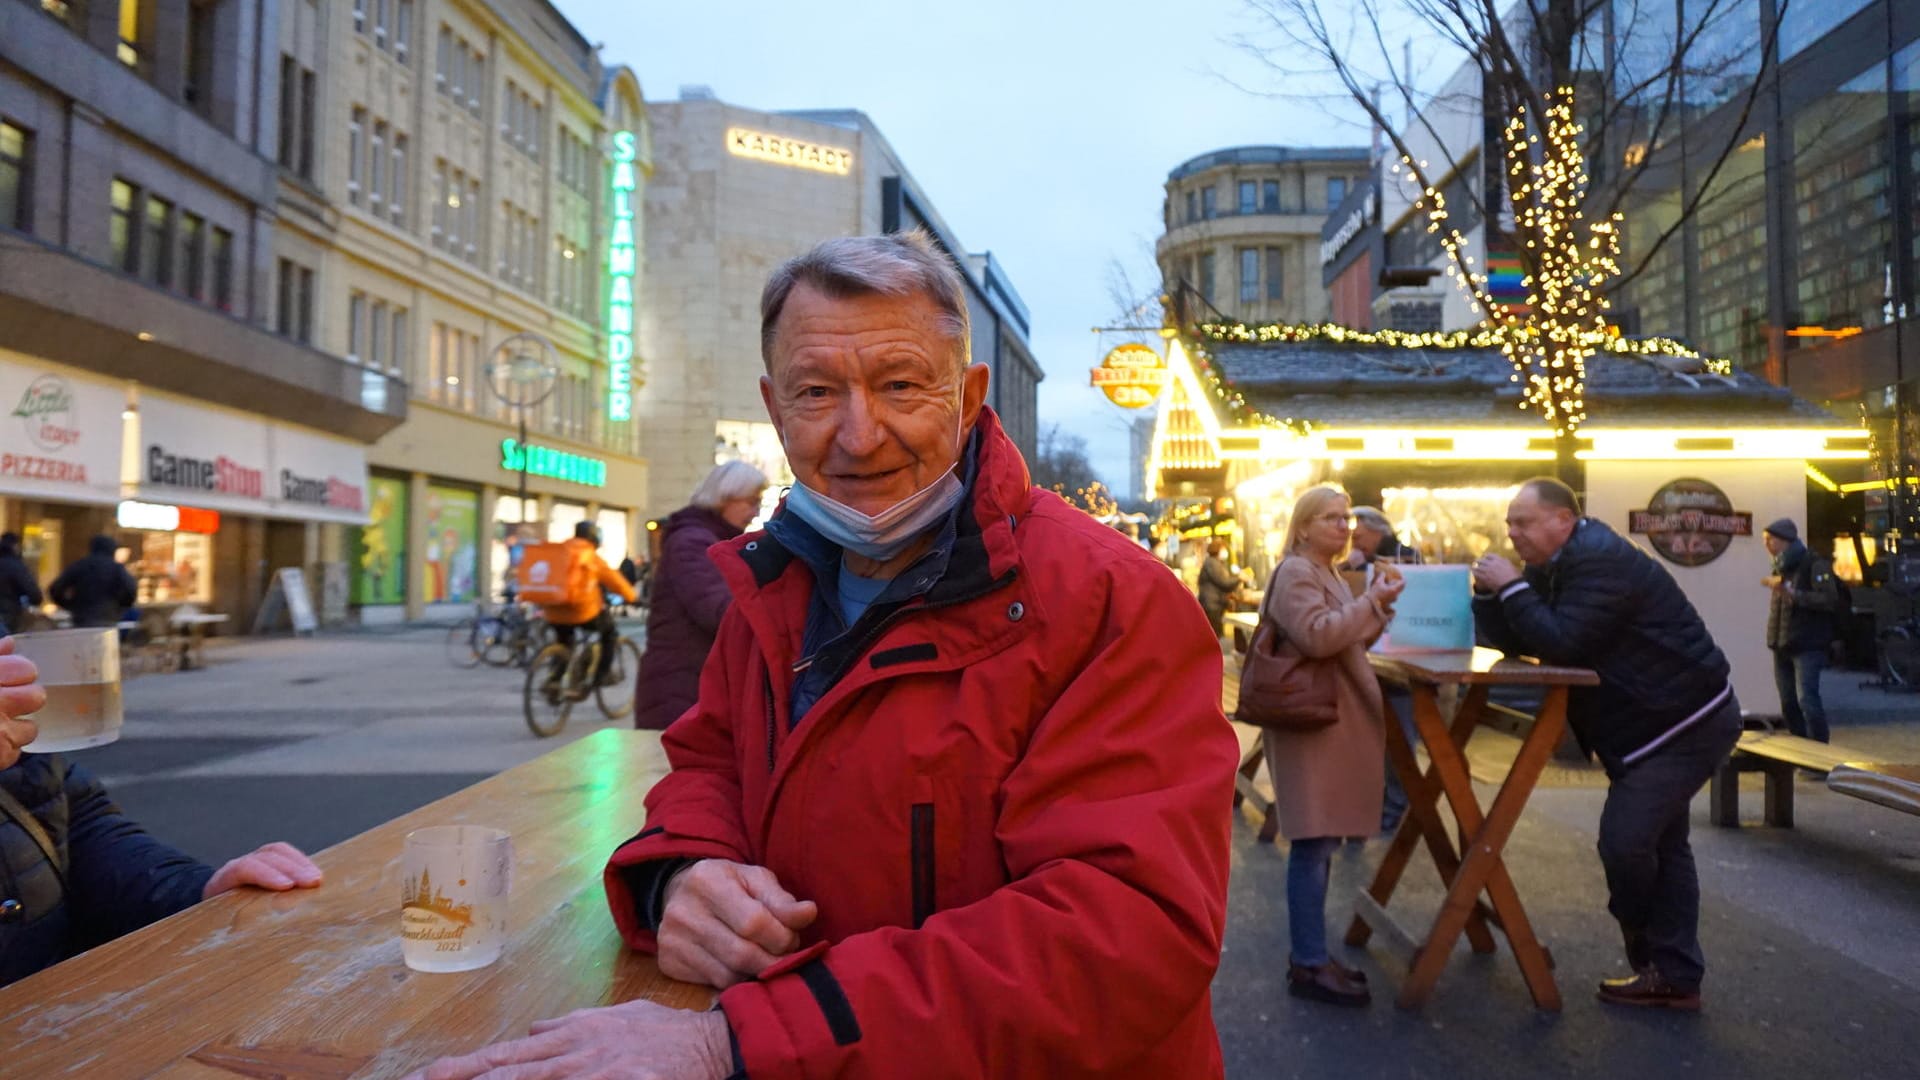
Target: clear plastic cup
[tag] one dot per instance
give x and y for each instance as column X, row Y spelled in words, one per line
column 453, row 900
column 81, row 671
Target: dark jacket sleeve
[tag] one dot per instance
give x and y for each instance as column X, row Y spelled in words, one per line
column 126, row 590
column 1490, row 624
column 1593, row 599
column 25, row 585
column 120, row 877
column 697, row 582
column 61, row 591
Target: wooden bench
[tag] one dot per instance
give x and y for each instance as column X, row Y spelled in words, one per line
column 1777, row 755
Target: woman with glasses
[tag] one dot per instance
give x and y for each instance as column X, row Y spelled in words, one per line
column 1327, row 782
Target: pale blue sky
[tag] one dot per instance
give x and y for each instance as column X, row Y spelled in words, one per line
column 1042, row 130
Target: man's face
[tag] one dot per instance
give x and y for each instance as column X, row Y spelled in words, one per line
column 1366, row 539
column 1537, row 531
column 866, row 396
column 1775, row 545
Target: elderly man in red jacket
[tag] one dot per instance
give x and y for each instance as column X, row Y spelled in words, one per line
column 955, row 798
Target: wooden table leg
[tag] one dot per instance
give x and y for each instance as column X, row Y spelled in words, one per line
column 1244, row 789
column 1482, row 868
column 1423, row 821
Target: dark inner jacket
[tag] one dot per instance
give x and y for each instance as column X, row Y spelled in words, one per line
column 18, row 588
column 119, row 878
column 689, row 597
column 1604, row 604
column 1803, row 620
column 95, row 588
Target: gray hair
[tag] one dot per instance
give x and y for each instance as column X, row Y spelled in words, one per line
column 1373, row 519
column 727, row 482
column 897, row 264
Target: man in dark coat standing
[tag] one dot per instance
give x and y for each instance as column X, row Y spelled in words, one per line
column 95, row 588
column 19, row 589
column 1661, row 721
column 1800, row 616
column 1218, row 584
column 74, row 871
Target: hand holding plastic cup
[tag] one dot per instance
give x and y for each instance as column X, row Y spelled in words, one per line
column 453, row 901
column 80, row 670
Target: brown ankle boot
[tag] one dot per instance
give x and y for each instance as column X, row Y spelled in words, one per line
column 1326, row 983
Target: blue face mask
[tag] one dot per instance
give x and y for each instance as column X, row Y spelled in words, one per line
column 881, row 536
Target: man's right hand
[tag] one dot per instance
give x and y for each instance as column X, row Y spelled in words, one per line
column 20, row 694
column 725, row 922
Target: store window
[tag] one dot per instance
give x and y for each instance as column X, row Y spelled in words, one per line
column 509, row 539
column 16, row 156
column 562, row 519
column 379, row 569
column 169, row 567
column 1839, row 200
column 453, row 536
column 613, row 536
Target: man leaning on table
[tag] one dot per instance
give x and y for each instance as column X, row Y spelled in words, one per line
column 1661, row 721
column 74, row 871
column 955, row 798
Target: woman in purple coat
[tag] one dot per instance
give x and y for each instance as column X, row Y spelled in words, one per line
column 688, row 594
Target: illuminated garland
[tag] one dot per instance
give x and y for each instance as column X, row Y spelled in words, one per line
column 1480, row 337
column 1231, row 401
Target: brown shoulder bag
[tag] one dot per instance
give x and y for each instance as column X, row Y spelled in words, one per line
column 1281, row 688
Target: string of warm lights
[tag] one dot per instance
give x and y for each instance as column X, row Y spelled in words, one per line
column 1480, row 337
column 1572, row 258
column 1240, row 411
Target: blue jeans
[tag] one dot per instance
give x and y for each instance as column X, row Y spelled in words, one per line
column 1797, row 675
column 1309, row 864
column 1393, row 802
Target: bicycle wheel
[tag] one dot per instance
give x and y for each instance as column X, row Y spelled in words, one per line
column 463, row 643
column 548, row 697
column 622, row 677
column 498, row 633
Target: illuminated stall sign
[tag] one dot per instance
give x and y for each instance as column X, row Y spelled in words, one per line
column 1131, row 376
column 620, row 265
column 1690, row 522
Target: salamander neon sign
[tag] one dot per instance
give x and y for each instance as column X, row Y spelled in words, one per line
column 620, row 265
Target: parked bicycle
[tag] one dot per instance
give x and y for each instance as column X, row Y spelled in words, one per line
column 561, row 676
column 507, row 637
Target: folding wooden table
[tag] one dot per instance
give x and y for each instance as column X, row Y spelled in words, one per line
column 1475, row 865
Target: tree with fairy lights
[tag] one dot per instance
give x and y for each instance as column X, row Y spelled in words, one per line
column 1570, row 128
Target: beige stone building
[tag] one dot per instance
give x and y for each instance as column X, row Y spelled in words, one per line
column 144, row 394
column 446, row 172
column 1242, row 237
column 735, row 192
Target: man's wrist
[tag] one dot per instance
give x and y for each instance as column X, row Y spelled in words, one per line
column 722, row 1057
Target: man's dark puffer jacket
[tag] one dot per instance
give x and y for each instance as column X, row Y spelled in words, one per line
column 1605, row 604
column 120, row 877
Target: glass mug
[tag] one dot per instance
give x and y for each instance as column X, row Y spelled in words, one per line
column 453, row 901
column 81, row 672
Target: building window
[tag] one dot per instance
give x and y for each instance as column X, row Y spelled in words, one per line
column 1193, row 211
column 156, row 243
column 472, row 209
column 457, row 74
column 476, row 82
column 380, row 23
column 443, row 54
column 1249, row 275
column 402, row 29
column 397, row 180
column 223, row 269
column 16, row 177
column 1336, row 192
column 193, row 240
column 283, row 314
column 377, row 169
column 1270, row 196
column 402, row 345
column 439, row 202
column 1206, row 275
column 359, row 16
column 128, row 47
column 356, row 325
column 289, row 111
column 377, row 337
column 1840, row 192
column 309, row 93
column 1208, row 209
column 356, row 153
column 1275, row 276
column 1249, row 196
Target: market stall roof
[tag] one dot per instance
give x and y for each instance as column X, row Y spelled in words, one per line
column 1348, row 385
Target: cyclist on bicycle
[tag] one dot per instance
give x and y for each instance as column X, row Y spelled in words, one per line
column 569, row 582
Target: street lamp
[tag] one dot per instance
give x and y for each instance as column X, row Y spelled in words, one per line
column 522, row 372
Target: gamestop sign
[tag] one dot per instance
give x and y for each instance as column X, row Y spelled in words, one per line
column 241, row 464
column 60, row 434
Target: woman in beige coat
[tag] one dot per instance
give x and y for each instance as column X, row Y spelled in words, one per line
column 1327, row 783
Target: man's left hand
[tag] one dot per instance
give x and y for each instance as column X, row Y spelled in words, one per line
column 635, row 1041
column 276, row 866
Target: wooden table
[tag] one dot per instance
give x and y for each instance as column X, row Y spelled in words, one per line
column 1475, row 866
column 309, row 984
column 192, row 645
